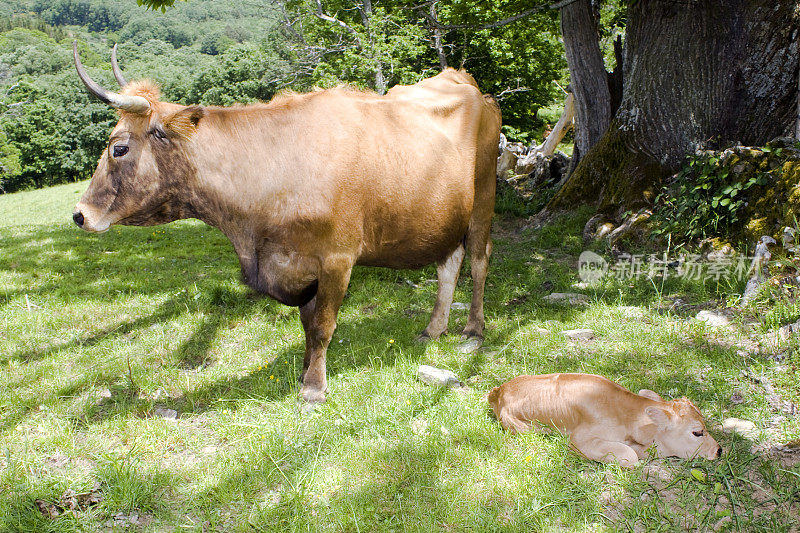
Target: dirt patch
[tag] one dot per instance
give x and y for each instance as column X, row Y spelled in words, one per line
column 70, row 502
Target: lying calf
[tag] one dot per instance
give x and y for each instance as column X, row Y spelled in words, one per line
column 605, row 421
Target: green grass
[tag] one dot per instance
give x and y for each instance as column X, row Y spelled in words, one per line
column 98, row 331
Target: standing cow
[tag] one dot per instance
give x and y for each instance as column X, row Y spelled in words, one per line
column 309, row 185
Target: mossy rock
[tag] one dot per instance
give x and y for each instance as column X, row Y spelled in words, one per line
column 773, row 206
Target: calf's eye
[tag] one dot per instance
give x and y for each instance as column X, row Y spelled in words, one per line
column 697, row 433
column 120, row 150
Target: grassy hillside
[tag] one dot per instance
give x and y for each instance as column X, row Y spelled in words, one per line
column 99, row 334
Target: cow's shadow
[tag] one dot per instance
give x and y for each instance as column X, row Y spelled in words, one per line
column 163, row 262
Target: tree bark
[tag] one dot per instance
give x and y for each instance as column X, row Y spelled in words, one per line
column 696, row 73
column 436, row 35
column 365, row 9
column 588, row 78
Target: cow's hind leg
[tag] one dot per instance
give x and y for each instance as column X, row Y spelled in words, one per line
column 319, row 322
column 479, row 236
column 447, row 274
column 480, row 249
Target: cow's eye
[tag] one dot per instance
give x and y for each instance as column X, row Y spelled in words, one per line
column 697, row 433
column 120, row 150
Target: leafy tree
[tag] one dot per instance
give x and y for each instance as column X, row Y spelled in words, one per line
column 245, row 73
column 10, row 167
column 215, row 43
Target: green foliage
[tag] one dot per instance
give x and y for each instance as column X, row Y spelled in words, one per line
column 215, row 43
column 96, row 15
column 705, row 200
column 221, row 52
column 30, row 22
column 244, row 73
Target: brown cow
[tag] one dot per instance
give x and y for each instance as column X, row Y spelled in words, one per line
column 309, row 185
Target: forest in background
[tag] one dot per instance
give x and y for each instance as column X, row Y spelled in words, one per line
column 218, row 52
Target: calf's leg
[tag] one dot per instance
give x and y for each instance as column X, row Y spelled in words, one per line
column 319, row 321
column 447, row 274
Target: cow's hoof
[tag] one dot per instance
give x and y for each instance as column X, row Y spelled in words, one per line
column 312, row 396
column 470, row 345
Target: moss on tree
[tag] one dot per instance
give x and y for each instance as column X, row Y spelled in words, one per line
column 612, row 176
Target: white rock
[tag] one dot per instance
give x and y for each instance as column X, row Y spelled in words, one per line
column 745, row 428
column 471, row 345
column 631, row 311
column 578, row 334
column 459, row 306
column 419, row 426
column 713, row 318
column 169, row 414
column 431, row 375
column 572, row 298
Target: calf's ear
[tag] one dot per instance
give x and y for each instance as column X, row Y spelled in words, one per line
column 659, row 416
column 184, row 122
column 652, row 395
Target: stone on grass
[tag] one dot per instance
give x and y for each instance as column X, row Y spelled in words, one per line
column 713, row 318
column 430, row 375
column 470, row 345
column 572, row 298
column 459, row 306
column 745, row 428
column 419, row 426
column 579, row 334
column 631, row 311
column 163, row 412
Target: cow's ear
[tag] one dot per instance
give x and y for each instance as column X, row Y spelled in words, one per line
column 659, row 416
column 652, row 395
column 184, row 122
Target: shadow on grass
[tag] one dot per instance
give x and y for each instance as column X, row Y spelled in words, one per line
column 73, row 266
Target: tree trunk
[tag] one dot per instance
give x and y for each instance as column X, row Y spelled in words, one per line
column 561, row 127
column 436, row 36
column 365, row 9
column 697, row 73
column 588, row 78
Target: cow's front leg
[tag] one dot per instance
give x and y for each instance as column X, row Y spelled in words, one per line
column 319, row 321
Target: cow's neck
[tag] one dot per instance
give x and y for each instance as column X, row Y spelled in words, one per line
column 644, row 430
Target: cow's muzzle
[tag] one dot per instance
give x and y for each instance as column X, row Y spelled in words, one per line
column 77, row 216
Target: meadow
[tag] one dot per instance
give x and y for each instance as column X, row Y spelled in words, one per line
column 139, row 375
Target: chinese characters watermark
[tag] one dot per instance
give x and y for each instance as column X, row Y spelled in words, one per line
column 593, row 267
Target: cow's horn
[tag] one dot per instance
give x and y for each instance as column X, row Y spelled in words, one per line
column 115, row 67
column 131, row 103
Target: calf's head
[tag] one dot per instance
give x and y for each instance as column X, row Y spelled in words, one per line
column 142, row 175
column 680, row 431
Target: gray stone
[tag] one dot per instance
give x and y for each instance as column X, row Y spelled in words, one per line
column 578, row 334
column 470, row 345
column 573, row 298
column 631, row 311
column 459, row 306
column 745, row 428
column 713, row 318
column 431, row 375
column 163, row 412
